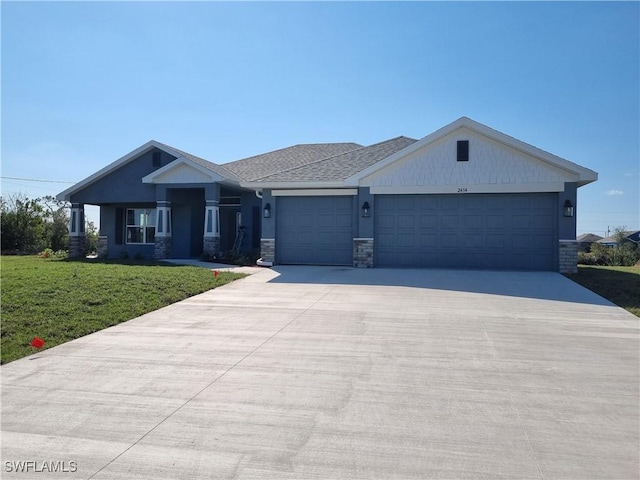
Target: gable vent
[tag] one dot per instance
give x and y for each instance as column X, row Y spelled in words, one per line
column 156, row 158
column 463, row 150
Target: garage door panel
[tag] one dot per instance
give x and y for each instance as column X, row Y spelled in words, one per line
column 314, row 230
column 406, row 221
column 449, row 221
column 490, row 231
column 473, row 221
column 428, row 221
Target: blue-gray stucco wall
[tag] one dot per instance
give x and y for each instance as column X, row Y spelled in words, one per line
column 124, row 184
column 567, row 225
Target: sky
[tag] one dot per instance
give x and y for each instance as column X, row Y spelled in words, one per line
column 84, row 83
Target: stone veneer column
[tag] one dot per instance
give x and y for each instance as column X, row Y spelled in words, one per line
column 268, row 250
column 363, row 252
column 163, row 237
column 568, row 256
column 211, row 238
column 77, row 236
column 103, row 246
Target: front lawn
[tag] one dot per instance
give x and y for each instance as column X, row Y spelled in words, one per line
column 620, row 285
column 59, row 300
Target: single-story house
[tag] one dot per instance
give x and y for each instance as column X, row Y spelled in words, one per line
column 632, row 236
column 464, row 196
column 585, row 240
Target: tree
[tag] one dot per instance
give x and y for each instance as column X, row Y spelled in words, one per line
column 31, row 225
column 22, row 224
column 57, row 223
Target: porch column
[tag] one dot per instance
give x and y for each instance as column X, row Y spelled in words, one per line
column 211, row 243
column 77, row 236
column 163, row 237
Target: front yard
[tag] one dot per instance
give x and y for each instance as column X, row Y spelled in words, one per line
column 620, row 285
column 60, row 300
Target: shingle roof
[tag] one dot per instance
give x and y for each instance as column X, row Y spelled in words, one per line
column 341, row 166
column 259, row 166
column 588, row 237
column 214, row 167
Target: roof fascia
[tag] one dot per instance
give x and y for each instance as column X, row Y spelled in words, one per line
column 584, row 175
column 66, row 194
column 182, row 161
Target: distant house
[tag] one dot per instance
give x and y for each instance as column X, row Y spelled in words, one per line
column 631, row 236
column 464, row 196
column 585, row 240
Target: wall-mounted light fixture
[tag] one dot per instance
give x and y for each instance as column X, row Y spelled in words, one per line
column 568, row 208
column 366, row 210
column 266, row 213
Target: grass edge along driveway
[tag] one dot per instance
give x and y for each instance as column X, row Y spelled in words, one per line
column 619, row 285
column 61, row 300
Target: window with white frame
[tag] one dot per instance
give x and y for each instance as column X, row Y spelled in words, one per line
column 141, row 225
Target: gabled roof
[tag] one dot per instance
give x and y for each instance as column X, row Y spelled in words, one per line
column 338, row 167
column 214, row 167
column 627, row 235
column 584, row 175
column 260, row 166
column 588, row 238
column 150, row 145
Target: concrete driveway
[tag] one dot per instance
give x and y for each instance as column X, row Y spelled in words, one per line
column 311, row 372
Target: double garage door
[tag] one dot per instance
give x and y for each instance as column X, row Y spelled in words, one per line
column 482, row 231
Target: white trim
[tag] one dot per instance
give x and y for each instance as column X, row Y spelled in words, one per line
column 213, row 177
column 568, row 241
column 65, row 195
column 267, row 239
column 364, row 238
column 315, row 192
column 470, row 189
column 584, row 175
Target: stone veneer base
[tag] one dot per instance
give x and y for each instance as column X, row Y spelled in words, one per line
column 76, row 246
column 211, row 246
column 363, row 252
column 568, row 256
column 162, row 247
column 268, row 250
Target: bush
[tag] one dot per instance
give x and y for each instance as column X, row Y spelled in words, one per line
column 624, row 254
column 49, row 253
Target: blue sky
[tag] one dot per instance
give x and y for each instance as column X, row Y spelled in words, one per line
column 84, row 83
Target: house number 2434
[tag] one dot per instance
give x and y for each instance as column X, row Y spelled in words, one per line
column 462, row 189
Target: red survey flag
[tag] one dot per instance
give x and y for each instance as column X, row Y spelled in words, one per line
column 215, row 273
column 37, row 342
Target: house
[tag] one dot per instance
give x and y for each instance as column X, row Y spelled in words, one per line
column 585, row 240
column 630, row 236
column 464, row 196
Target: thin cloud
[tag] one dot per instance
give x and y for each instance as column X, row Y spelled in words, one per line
column 614, row 192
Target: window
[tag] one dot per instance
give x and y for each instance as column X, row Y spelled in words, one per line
column 463, row 150
column 141, row 225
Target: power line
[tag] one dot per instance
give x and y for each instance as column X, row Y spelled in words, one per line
column 35, row 180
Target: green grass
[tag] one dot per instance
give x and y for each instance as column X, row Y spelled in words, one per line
column 59, row 300
column 620, row 285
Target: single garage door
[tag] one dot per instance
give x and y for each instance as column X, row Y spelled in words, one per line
column 484, row 231
column 314, row 230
